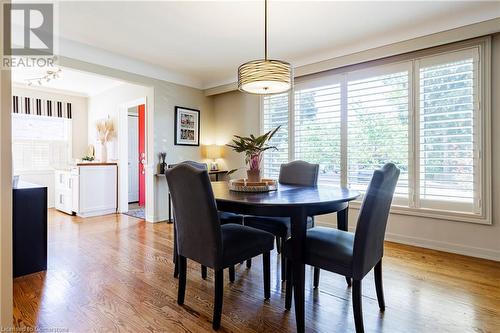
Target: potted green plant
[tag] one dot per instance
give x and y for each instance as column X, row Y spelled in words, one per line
column 253, row 147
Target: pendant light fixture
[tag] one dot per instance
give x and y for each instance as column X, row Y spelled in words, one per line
column 265, row 76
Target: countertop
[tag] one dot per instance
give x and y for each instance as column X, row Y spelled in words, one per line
column 95, row 163
column 25, row 185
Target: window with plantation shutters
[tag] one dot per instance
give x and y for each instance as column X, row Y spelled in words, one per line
column 377, row 124
column 40, row 143
column 448, row 145
column 275, row 113
column 422, row 112
column 317, row 128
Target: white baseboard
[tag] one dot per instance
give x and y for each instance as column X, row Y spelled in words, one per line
column 98, row 212
column 155, row 219
column 470, row 251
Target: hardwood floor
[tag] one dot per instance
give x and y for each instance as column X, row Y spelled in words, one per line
column 115, row 274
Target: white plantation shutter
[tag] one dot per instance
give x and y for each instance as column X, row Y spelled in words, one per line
column 275, row 113
column 448, row 112
column 40, row 143
column 377, row 125
column 317, row 129
column 424, row 114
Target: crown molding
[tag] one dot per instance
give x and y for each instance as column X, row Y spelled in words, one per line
column 484, row 28
column 90, row 54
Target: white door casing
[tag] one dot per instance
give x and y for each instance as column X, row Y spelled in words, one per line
column 133, row 158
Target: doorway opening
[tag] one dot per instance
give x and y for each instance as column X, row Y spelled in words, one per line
column 136, row 161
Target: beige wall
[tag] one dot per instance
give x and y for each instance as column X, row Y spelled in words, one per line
column 162, row 99
column 237, row 113
column 113, row 104
column 107, row 104
column 5, row 196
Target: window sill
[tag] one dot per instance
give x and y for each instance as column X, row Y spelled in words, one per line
column 434, row 214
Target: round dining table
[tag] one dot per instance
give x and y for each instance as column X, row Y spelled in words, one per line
column 297, row 203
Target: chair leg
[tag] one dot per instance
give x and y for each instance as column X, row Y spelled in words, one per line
column 232, row 274
column 176, row 267
column 289, row 285
column 283, row 266
column 174, row 254
column 283, row 259
column 266, row 268
column 316, row 277
column 175, row 246
column 249, row 263
column 203, row 272
column 349, row 281
column 379, row 286
column 218, row 297
column 182, row 262
column 356, row 306
column 175, row 259
column 278, row 245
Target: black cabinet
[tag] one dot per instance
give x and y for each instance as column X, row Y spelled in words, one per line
column 29, row 224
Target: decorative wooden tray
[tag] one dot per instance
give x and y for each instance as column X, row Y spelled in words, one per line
column 242, row 185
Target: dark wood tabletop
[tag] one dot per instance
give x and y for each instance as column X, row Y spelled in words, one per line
column 286, row 195
column 296, row 202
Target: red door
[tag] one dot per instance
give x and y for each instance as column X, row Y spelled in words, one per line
column 142, row 155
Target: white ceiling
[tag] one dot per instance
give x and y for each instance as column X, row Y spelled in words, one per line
column 70, row 81
column 208, row 40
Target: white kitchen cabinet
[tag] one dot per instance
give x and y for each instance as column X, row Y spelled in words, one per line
column 95, row 189
column 63, row 191
column 87, row 189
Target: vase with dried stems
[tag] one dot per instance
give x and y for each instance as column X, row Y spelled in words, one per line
column 105, row 133
column 254, row 148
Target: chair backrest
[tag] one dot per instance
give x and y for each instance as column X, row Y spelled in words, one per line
column 299, row 173
column 197, row 165
column 196, row 219
column 372, row 220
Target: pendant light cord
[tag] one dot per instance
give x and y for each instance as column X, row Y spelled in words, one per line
column 265, row 29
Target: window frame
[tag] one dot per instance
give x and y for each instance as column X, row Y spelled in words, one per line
column 263, row 127
column 379, row 70
column 483, row 213
column 67, row 124
column 434, row 60
column 311, row 84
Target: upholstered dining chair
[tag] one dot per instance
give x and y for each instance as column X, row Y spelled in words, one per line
column 294, row 173
column 353, row 254
column 202, row 238
column 224, row 218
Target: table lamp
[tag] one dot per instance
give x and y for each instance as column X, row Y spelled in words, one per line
column 213, row 153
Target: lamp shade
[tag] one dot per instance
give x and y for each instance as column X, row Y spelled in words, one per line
column 265, row 77
column 213, row 152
